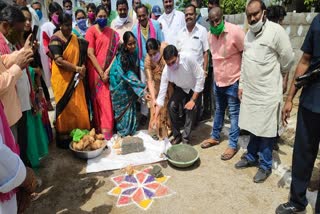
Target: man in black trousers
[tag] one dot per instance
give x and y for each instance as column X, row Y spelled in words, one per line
column 307, row 137
column 188, row 77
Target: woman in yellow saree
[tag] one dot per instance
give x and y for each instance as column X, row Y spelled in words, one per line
column 68, row 71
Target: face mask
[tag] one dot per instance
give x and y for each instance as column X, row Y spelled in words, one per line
column 68, row 12
column 175, row 66
column 255, row 28
column 156, row 57
column 123, row 20
column 39, row 13
column 102, row 22
column 91, row 16
column 82, row 24
column 55, row 19
column 218, row 29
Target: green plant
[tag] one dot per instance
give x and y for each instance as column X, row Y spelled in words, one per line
column 233, row 6
column 310, row 3
column 228, row 6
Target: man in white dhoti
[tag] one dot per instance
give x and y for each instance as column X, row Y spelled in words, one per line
column 266, row 58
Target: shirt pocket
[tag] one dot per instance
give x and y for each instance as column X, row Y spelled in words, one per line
column 258, row 53
column 196, row 44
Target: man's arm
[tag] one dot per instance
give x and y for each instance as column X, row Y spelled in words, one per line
column 198, row 74
column 300, row 70
column 162, row 92
column 205, row 45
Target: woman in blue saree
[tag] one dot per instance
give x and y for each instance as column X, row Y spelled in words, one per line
column 125, row 86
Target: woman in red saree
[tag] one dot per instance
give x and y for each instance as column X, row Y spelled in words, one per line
column 103, row 45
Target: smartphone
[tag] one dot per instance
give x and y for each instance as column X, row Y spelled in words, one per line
column 34, row 34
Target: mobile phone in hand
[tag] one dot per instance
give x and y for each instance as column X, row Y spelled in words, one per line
column 34, row 34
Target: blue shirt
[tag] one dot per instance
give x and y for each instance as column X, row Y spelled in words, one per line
column 310, row 96
column 159, row 37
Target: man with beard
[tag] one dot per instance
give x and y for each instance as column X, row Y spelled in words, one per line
column 226, row 46
column 145, row 29
column 111, row 14
column 123, row 22
column 267, row 57
column 172, row 21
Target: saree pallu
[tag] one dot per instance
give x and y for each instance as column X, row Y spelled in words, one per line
column 105, row 45
column 153, row 73
column 75, row 113
column 125, row 89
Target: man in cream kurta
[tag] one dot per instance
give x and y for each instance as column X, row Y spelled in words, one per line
column 267, row 56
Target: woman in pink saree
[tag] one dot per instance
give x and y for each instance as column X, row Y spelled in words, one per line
column 103, row 45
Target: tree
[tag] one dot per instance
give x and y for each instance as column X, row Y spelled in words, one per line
column 149, row 6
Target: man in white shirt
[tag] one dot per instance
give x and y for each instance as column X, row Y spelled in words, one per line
column 172, row 21
column 193, row 38
column 122, row 22
column 188, row 77
column 267, row 57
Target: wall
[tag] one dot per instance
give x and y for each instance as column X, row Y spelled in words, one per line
column 295, row 24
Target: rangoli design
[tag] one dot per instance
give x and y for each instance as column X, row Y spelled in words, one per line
column 141, row 189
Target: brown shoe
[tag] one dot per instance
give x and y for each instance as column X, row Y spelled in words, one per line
column 209, row 143
column 229, row 153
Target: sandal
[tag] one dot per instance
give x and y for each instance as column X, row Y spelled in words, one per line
column 209, row 143
column 228, row 154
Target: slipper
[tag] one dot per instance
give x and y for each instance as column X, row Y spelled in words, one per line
column 209, row 143
column 228, row 154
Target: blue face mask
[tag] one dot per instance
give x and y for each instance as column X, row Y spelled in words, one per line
column 102, row 22
column 82, row 24
column 39, row 13
column 68, row 12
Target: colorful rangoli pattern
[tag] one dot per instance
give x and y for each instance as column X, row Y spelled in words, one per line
column 141, row 189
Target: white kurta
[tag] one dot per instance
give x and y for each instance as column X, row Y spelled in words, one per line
column 266, row 56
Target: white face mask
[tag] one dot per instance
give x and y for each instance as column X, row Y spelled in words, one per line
column 255, row 28
column 123, row 20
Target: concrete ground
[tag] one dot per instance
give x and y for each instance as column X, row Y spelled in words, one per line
column 210, row 186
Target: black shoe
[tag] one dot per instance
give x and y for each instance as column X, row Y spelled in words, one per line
column 143, row 120
column 288, row 208
column 244, row 163
column 261, row 175
column 176, row 140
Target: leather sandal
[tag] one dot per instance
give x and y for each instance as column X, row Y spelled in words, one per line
column 228, row 154
column 209, row 143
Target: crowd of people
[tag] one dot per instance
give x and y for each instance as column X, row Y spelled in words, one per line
column 116, row 71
